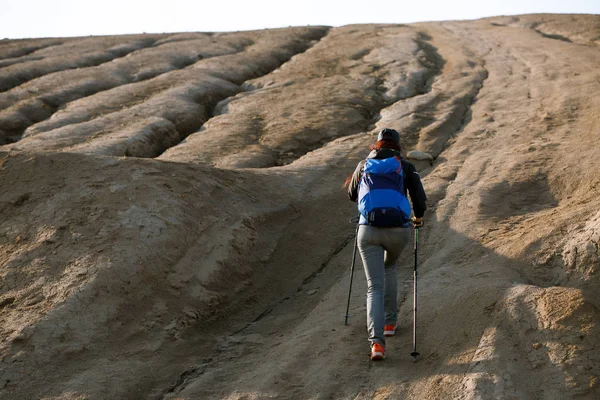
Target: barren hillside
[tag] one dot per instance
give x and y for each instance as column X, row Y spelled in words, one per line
column 173, row 223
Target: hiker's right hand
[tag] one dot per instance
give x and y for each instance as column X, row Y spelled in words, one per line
column 417, row 222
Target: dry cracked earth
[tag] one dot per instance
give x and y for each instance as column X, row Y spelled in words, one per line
column 173, row 223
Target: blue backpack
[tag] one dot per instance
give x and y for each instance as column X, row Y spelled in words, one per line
column 381, row 197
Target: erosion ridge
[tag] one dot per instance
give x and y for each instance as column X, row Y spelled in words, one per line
column 173, row 224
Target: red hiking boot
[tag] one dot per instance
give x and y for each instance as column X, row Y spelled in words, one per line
column 389, row 330
column 377, row 352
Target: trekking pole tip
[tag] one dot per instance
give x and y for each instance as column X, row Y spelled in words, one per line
column 415, row 356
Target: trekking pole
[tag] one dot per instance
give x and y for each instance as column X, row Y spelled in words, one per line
column 352, row 268
column 415, row 353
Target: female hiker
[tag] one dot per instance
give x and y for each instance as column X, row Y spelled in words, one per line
column 380, row 185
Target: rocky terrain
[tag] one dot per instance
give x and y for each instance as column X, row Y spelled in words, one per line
column 173, row 223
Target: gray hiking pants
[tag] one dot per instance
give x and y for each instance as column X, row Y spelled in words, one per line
column 379, row 249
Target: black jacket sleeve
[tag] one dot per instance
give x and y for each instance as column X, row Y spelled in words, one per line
column 412, row 182
column 353, row 186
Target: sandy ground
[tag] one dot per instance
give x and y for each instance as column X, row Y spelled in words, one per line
column 173, row 223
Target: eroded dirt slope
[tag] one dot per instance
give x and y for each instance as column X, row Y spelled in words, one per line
column 172, row 222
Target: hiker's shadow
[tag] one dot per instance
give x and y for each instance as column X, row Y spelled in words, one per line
column 480, row 327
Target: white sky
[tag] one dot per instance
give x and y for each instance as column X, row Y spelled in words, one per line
column 56, row 18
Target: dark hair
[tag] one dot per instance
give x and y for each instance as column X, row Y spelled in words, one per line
column 385, row 144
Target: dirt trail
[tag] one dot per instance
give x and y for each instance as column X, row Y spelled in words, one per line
column 220, row 268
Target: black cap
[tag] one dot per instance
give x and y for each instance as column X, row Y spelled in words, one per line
column 389, row 134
